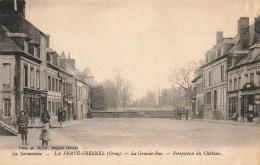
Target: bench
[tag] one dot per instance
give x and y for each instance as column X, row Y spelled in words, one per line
column 234, row 116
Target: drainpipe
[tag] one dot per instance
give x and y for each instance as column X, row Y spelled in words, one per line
column 76, row 97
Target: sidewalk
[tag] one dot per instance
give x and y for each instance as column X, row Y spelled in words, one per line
column 231, row 122
column 57, row 139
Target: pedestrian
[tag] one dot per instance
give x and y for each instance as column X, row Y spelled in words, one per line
column 23, row 122
column 46, row 117
column 44, row 136
column 60, row 116
column 64, row 114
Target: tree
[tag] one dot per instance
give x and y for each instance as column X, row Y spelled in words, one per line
column 182, row 77
column 109, row 94
column 118, row 91
column 117, row 84
column 97, row 97
column 172, row 98
column 148, row 101
column 125, row 92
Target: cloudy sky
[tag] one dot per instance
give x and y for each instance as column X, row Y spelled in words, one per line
column 143, row 38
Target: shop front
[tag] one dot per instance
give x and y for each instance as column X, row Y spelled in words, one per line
column 250, row 103
column 233, row 105
column 68, row 106
column 34, row 104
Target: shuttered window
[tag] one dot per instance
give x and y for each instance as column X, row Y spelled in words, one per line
column 6, row 74
column 7, row 107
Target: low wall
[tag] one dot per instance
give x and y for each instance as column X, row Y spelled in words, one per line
column 133, row 114
column 109, row 114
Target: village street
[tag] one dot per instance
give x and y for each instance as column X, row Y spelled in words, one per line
column 127, row 132
column 236, row 143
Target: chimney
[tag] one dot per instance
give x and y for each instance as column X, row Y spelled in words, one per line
column 71, row 61
column 219, row 37
column 257, row 29
column 207, row 58
column 21, row 6
column 243, row 32
column 47, row 41
column 7, row 7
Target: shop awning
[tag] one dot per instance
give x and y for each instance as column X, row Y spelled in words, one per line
column 251, row 92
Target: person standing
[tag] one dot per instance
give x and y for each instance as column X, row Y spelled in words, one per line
column 60, row 116
column 44, row 136
column 46, row 117
column 64, row 114
column 23, row 122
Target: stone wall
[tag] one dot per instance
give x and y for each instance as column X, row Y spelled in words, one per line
column 133, row 114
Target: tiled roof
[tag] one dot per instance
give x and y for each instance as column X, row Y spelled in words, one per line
column 16, row 23
column 235, row 47
column 6, row 43
column 257, row 45
column 228, row 41
column 249, row 58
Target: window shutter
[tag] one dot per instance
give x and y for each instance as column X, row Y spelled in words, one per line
column 7, row 74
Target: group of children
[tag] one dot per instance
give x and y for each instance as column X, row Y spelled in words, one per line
column 23, row 122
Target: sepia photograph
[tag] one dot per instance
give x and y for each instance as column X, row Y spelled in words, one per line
column 167, row 82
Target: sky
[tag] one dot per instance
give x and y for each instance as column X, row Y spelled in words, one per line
column 145, row 39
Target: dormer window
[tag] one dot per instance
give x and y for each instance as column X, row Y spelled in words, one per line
column 26, row 46
column 48, row 57
column 35, row 51
column 55, row 61
column 218, row 52
column 31, row 49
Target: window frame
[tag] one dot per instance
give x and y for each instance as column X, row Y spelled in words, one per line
column 25, row 75
column 32, row 77
column 38, row 80
column 4, row 108
column 5, row 82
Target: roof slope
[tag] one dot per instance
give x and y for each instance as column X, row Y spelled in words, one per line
column 6, row 43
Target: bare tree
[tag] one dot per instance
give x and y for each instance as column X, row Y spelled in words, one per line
column 117, row 91
column 117, row 84
column 109, row 94
column 182, row 77
column 149, row 100
column 125, row 92
column 172, row 98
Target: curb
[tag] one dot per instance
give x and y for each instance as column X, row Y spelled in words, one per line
column 39, row 127
column 238, row 123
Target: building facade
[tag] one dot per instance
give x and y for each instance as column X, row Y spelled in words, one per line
column 198, row 93
column 214, row 81
column 34, row 77
column 230, row 74
column 244, row 87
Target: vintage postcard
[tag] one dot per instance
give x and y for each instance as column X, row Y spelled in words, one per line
column 130, row 82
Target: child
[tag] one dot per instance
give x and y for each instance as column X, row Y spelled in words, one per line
column 44, row 136
column 23, row 126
